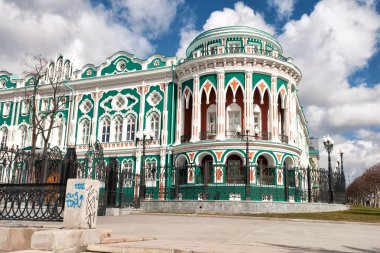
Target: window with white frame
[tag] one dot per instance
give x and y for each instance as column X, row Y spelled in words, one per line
column 44, row 104
column 4, row 135
column 211, row 119
column 60, row 134
column 127, row 172
column 233, row 47
column 24, row 136
column 150, row 173
column 233, row 117
column 6, row 109
column 24, row 107
column 85, row 131
column 257, row 117
column 106, row 129
column 155, row 125
column 131, row 126
column 118, row 128
column 213, row 49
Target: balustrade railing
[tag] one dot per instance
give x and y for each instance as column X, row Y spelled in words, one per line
column 284, row 139
column 207, row 135
column 185, row 138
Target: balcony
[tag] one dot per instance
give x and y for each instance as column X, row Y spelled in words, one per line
column 207, row 135
column 237, row 50
column 284, row 138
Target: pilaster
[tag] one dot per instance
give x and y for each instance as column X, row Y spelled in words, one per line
column 248, row 102
column 221, row 107
column 274, row 109
column 196, row 123
column 179, row 115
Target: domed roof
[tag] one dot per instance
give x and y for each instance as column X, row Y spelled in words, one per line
column 234, row 31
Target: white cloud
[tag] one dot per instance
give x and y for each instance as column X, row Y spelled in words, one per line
column 284, row 8
column 240, row 15
column 81, row 31
column 338, row 38
column 147, row 16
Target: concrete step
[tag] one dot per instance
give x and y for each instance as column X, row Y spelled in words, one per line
column 110, row 240
column 130, row 249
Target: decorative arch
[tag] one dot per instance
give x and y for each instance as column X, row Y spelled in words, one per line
column 181, row 159
column 288, row 160
column 234, row 84
column 227, row 154
column 201, row 154
column 262, row 87
column 207, row 87
column 187, row 93
column 272, row 160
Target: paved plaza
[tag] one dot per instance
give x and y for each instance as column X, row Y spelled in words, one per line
column 236, row 234
column 245, row 234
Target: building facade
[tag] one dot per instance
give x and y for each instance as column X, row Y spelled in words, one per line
column 187, row 122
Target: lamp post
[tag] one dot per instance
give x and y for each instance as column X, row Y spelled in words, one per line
column 342, row 176
column 246, row 138
column 328, row 142
column 143, row 138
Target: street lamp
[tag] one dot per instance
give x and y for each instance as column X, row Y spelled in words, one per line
column 328, row 142
column 143, row 137
column 246, row 138
column 342, row 176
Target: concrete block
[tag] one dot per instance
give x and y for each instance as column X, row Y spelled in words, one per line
column 16, row 238
column 54, row 240
column 32, row 251
column 104, row 248
column 112, row 211
column 81, row 203
column 93, row 236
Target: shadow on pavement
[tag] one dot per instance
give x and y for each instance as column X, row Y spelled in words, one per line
column 300, row 249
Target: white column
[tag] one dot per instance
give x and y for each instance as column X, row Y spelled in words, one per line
column 273, row 109
column 221, row 107
column 73, row 138
column 179, row 116
column 95, row 116
column 161, row 181
column 164, row 138
column 196, row 123
column 248, row 101
column 142, row 107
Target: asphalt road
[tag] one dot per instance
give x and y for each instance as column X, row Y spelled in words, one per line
column 244, row 234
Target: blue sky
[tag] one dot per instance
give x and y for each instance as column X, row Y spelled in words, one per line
column 335, row 43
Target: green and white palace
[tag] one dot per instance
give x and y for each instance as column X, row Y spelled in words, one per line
column 186, row 124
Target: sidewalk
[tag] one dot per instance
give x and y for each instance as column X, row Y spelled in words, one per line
column 235, row 234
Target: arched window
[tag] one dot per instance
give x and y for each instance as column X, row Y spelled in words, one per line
column 131, row 126
column 118, row 128
column 155, row 125
column 211, row 119
column 233, row 117
column 257, row 117
column 106, row 130
column 4, row 133
column 24, row 136
column 150, row 173
column 85, row 131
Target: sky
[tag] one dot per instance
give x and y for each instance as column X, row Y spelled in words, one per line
column 335, row 43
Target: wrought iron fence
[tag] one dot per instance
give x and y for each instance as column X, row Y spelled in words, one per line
column 41, row 202
column 229, row 182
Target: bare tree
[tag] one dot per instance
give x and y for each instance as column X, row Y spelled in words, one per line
column 50, row 81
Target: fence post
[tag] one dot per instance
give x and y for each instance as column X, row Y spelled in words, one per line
column 69, row 169
column 286, row 184
column 176, row 171
column 121, row 193
column 205, row 178
column 112, row 179
column 308, row 184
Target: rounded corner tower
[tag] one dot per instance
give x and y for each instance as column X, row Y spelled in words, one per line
column 237, row 114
